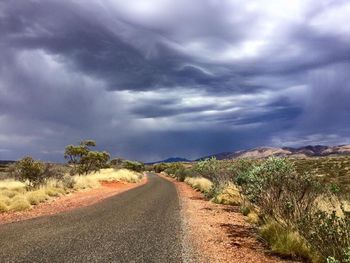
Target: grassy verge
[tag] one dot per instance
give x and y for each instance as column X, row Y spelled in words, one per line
column 199, row 183
column 16, row 196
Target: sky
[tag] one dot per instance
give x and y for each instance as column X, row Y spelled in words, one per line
column 158, row 78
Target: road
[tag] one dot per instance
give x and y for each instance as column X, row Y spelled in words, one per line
column 140, row 225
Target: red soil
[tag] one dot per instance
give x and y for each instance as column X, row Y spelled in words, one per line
column 219, row 233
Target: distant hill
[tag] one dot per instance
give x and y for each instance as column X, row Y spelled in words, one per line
column 172, row 160
column 5, row 162
column 264, row 152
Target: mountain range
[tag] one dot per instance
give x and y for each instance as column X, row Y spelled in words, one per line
column 300, row 152
column 264, row 152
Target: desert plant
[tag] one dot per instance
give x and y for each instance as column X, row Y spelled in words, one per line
column 228, row 195
column 328, row 234
column 34, row 173
column 19, row 203
column 36, row 197
column 8, row 193
column 133, row 166
column 280, row 192
column 209, row 168
column 160, row 167
column 28, row 169
column 200, row 183
column 68, row 182
column 83, row 159
column 181, row 172
column 285, row 242
column 3, row 206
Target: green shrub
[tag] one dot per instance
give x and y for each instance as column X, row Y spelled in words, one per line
column 160, row 167
column 245, row 210
column 181, row 173
column 279, row 191
column 210, row 168
column 328, row 234
column 133, row 166
column 34, row 172
column 83, row 159
column 30, row 170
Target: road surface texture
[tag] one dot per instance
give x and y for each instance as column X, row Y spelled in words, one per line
column 140, row 225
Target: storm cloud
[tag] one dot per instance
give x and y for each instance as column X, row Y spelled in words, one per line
column 159, row 78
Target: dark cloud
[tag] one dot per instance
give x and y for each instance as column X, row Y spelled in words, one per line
column 150, row 79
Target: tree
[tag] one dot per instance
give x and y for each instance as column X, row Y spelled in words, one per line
column 83, row 159
column 31, row 170
column 134, row 166
column 35, row 172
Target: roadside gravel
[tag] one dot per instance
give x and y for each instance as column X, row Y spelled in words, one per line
column 217, row 233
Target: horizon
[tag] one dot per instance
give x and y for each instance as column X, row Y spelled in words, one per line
column 207, row 155
column 150, row 80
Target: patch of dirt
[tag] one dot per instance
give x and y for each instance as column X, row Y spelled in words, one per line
column 218, row 233
column 70, row 201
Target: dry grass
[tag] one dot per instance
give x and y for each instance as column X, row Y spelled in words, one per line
column 229, row 195
column 200, row 183
column 92, row 180
column 19, row 203
column 10, row 184
column 111, row 174
column 286, row 243
column 37, row 197
column 3, row 206
column 253, row 218
column 14, row 196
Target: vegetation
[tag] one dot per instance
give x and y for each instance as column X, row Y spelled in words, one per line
column 30, row 182
column 34, row 172
column 298, row 204
column 133, row 166
column 16, row 196
column 200, row 183
column 160, row 167
column 83, row 159
column 285, row 242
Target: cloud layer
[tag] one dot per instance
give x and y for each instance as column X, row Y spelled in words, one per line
column 152, row 79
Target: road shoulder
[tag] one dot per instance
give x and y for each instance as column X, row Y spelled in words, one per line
column 70, row 201
column 217, row 233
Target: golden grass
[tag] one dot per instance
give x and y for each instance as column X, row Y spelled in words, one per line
column 5, row 200
column 3, row 206
column 200, row 183
column 37, row 197
column 92, row 180
column 8, row 193
column 11, row 184
column 111, row 174
column 229, row 195
column 19, row 203
column 14, row 196
column 285, row 243
column 253, row 218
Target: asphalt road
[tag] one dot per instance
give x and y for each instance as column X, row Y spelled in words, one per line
column 140, row 225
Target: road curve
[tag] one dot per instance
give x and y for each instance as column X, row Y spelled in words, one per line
column 140, row 225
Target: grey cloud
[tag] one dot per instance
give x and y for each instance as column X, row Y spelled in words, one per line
column 176, row 78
